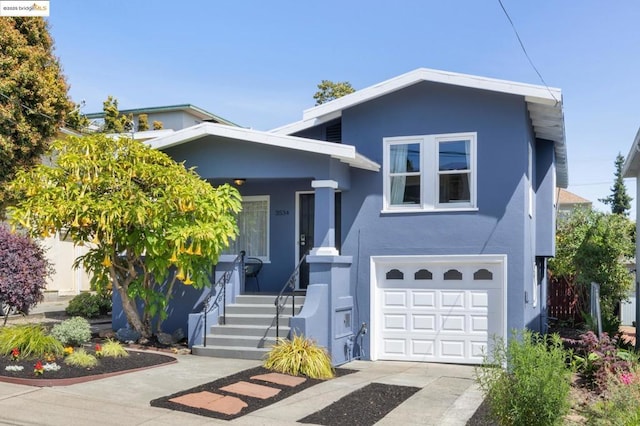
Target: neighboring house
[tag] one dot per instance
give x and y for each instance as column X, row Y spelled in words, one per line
column 568, row 201
column 172, row 117
column 425, row 204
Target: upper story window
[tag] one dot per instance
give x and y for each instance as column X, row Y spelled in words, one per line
column 430, row 172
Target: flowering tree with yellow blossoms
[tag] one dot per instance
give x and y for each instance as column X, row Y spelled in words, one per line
column 139, row 213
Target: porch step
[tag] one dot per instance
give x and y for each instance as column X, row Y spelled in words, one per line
column 258, row 309
column 230, row 352
column 241, row 341
column 249, row 330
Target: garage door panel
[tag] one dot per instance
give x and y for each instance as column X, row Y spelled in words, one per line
column 479, row 299
column 423, row 299
column 452, row 348
column 395, row 346
column 438, row 320
column 395, row 298
column 452, row 299
column 421, row 347
column 479, row 323
column 478, row 350
column 452, row 323
column 423, row 322
column 395, row 322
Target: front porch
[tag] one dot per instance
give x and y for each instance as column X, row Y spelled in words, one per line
column 292, row 190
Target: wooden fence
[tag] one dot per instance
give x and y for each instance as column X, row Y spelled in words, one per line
column 562, row 301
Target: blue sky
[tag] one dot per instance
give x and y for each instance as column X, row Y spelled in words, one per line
column 258, row 63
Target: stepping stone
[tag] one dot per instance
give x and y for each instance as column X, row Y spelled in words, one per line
column 197, row 400
column 227, row 405
column 211, row 401
column 251, row 389
column 280, row 379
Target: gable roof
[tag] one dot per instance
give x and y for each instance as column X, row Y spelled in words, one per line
column 566, row 198
column 188, row 108
column 544, row 105
column 344, row 153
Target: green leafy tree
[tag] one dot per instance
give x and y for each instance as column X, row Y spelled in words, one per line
column 329, row 90
column 619, row 200
column 138, row 211
column 143, row 122
column 33, row 96
column 593, row 247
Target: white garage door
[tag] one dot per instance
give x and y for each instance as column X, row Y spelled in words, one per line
column 437, row 309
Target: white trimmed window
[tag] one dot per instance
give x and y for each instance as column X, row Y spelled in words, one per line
column 253, row 224
column 430, row 172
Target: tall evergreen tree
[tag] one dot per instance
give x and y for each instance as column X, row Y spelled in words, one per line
column 33, row 96
column 619, row 200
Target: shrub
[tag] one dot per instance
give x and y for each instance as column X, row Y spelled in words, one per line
column 534, row 387
column 74, row 331
column 300, row 356
column 114, row 349
column 30, row 339
column 621, row 403
column 81, row 358
column 600, row 358
column 23, row 270
column 88, row 305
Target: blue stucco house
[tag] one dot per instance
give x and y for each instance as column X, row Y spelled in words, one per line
column 425, row 205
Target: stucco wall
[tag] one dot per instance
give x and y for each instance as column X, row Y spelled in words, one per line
column 500, row 226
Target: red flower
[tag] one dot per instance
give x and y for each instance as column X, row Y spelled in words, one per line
column 15, row 353
column 38, row 369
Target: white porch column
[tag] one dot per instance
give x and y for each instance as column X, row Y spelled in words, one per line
column 324, row 226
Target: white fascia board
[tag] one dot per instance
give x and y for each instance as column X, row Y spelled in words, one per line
column 342, row 152
column 292, row 128
column 534, row 94
column 630, row 168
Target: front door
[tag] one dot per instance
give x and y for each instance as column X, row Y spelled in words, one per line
column 306, row 208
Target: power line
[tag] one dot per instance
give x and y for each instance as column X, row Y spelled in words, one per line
column 525, row 50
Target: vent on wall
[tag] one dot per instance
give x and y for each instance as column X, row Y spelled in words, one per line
column 334, row 132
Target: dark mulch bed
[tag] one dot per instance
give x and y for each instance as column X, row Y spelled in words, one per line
column 253, row 403
column 482, row 416
column 363, row 407
column 106, row 365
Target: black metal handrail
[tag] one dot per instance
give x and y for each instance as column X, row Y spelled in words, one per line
column 221, row 283
column 281, row 299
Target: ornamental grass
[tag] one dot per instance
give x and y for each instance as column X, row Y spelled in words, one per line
column 31, row 341
column 114, row 349
column 81, row 358
column 300, row 356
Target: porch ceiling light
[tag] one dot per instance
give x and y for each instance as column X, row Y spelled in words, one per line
column 239, row 181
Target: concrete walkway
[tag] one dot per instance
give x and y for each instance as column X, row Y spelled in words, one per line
column 448, row 395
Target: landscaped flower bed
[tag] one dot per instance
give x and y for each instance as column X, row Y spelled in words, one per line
column 30, row 354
